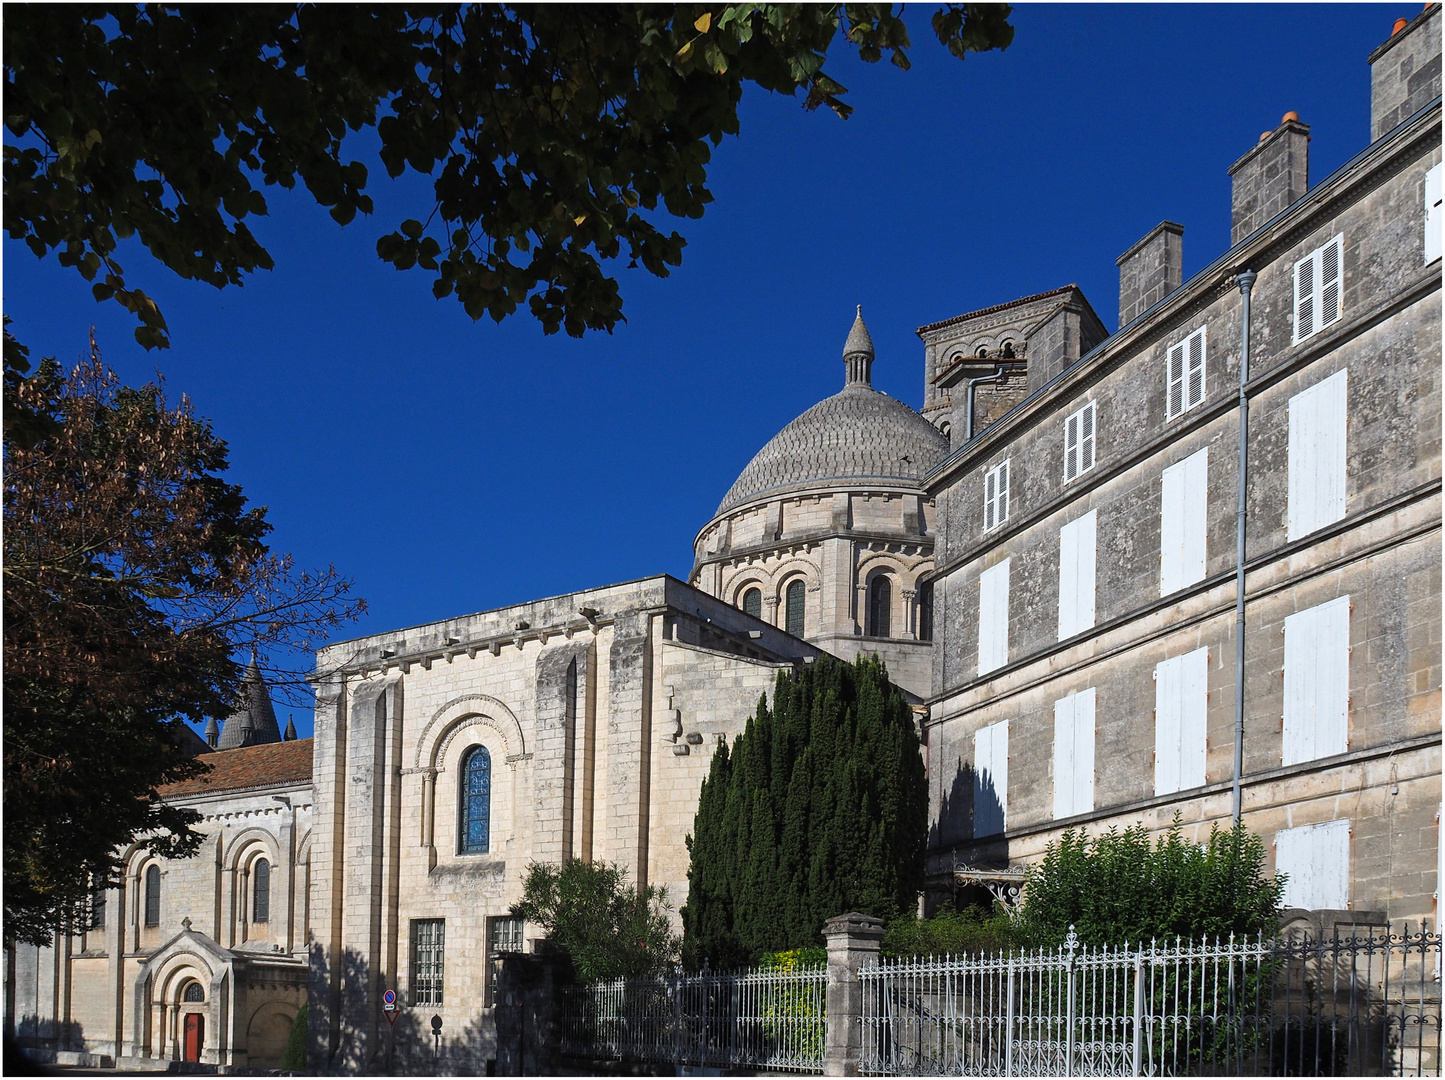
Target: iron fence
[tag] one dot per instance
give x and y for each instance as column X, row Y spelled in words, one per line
column 768, row 1019
column 1290, row 1006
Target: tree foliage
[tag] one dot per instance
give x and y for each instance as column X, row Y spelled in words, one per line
column 293, row 1058
column 133, row 574
column 553, row 132
column 608, row 928
column 818, row 808
column 1119, row 888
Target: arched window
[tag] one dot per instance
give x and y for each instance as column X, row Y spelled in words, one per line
column 97, row 905
column 794, row 601
column 194, row 992
column 925, row 611
column 982, row 352
column 477, row 800
column 753, row 603
column 880, row 606
column 261, row 891
column 1008, row 350
column 153, row 895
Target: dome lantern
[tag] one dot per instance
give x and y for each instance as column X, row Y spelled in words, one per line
column 858, row 353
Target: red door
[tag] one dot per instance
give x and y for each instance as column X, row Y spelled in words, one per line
column 195, row 1035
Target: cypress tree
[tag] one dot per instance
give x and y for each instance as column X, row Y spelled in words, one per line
column 818, row 807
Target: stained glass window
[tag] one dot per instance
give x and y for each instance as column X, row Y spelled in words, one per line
column 153, row 895
column 477, row 800
column 794, row 597
column 261, row 891
column 880, row 607
column 753, row 603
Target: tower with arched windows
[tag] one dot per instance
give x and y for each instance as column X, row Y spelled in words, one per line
column 827, row 532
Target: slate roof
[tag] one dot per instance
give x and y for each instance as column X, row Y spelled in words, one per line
column 856, row 435
column 248, row 767
column 254, row 721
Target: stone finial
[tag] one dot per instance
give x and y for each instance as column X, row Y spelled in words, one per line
column 213, row 733
column 858, row 353
column 185, row 924
column 290, row 735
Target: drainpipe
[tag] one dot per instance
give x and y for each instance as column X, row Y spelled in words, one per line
column 1245, row 281
column 1000, row 371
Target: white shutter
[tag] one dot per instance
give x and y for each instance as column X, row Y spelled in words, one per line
column 1086, row 438
column 990, row 498
column 1331, row 281
column 1319, row 288
column 993, row 617
column 1304, row 297
column 1433, row 218
column 1317, row 860
column 1194, row 385
column 1174, row 402
column 1316, row 682
column 990, row 779
column 1183, row 522
column 1076, row 574
column 1071, row 447
column 1317, row 426
column 1181, row 709
column 1001, row 512
column 1074, row 754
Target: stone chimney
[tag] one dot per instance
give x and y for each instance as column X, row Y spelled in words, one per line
column 1150, row 270
column 1271, row 177
column 1405, row 71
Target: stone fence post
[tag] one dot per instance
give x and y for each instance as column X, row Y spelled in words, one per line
column 853, row 941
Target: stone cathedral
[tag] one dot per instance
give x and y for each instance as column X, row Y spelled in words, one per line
column 1107, row 611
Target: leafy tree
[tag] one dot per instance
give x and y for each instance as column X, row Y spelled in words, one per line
column 1119, row 888
column 293, row 1058
column 553, row 132
column 608, row 928
column 133, row 573
column 819, row 808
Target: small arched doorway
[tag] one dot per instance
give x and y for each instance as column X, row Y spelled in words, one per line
column 193, row 1022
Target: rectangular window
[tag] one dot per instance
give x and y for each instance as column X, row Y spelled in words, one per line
column 995, row 497
column 993, row 617
column 990, row 779
column 1317, row 456
column 97, row 908
column 504, row 935
column 1317, row 682
column 1074, row 754
column 1186, row 374
column 1433, row 218
column 1181, row 707
column 1079, row 442
column 1319, row 289
column 427, row 945
column 1183, row 522
column 1317, row 860
column 1076, row 575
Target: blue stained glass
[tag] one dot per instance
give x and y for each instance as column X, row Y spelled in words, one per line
column 477, row 810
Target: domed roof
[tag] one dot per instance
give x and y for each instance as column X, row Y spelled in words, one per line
column 856, row 435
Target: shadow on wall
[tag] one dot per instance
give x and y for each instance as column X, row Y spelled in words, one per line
column 343, row 1042
column 970, row 819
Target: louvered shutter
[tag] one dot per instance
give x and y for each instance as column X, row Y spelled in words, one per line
column 1316, row 682
column 1330, row 285
column 1086, row 438
column 990, row 779
column 1433, row 218
column 1077, row 547
column 1001, row 512
column 1194, row 387
column 1304, row 297
column 993, row 617
column 1317, row 428
column 1181, row 707
column 990, row 498
column 1317, row 860
column 1176, row 365
column 1071, row 447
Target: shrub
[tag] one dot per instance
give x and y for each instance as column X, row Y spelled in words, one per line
column 293, row 1058
column 1119, row 888
column 953, row 933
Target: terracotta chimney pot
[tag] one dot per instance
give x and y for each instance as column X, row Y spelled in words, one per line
column 1400, row 24
column 1287, row 117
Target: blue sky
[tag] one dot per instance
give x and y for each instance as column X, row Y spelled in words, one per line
column 450, row 466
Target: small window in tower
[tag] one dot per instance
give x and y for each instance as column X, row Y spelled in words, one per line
column 880, row 604
column 925, row 611
column 982, row 353
column 794, row 600
column 753, row 603
column 1008, row 350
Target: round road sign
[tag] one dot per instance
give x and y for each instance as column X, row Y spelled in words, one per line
column 389, row 997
